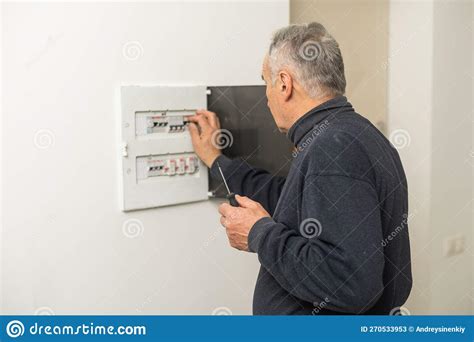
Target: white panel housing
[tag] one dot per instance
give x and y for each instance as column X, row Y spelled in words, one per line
column 159, row 166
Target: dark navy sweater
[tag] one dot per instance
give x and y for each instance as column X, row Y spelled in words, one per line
column 337, row 241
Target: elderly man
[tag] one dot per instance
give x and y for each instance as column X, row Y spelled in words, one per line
column 332, row 237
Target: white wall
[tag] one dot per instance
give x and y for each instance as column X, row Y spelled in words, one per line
column 409, row 109
column 452, row 161
column 430, row 87
column 63, row 245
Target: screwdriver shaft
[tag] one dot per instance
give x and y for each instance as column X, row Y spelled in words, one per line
column 223, row 178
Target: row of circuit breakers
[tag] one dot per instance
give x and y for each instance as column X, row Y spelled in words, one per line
column 159, row 166
column 155, row 166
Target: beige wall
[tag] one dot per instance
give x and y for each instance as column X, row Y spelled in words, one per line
column 361, row 28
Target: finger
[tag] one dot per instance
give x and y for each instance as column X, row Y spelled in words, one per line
column 194, row 131
column 225, row 209
column 210, row 116
column 245, row 202
column 202, row 122
column 218, row 122
column 204, row 112
column 223, row 221
column 193, row 118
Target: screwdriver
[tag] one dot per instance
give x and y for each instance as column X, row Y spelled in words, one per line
column 230, row 195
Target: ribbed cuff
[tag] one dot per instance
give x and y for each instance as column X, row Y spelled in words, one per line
column 258, row 231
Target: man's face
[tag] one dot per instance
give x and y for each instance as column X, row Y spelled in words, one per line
column 272, row 95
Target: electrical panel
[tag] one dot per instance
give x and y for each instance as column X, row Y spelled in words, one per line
column 158, row 163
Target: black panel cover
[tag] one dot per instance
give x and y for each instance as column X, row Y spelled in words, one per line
column 243, row 111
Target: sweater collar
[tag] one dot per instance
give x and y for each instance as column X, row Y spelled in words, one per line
column 325, row 110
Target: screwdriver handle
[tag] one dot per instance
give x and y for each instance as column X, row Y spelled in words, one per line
column 232, row 200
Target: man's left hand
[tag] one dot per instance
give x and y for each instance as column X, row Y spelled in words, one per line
column 239, row 220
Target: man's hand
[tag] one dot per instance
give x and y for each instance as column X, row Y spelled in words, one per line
column 204, row 129
column 239, row 220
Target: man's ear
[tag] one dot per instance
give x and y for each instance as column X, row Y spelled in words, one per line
column 286, row 84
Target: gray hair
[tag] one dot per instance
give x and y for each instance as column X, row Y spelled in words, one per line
column 312, row 55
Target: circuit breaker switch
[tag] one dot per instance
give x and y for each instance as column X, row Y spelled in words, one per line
column 170, row 167
column 191, row 163
column 181, row 166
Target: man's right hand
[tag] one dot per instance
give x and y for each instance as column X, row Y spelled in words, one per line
column 204, row 129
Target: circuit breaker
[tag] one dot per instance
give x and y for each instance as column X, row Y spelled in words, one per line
column 166, row 165
column 158, row 163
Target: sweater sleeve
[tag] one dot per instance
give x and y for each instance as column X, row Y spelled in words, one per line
column 244, row 180
column 335, row 254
